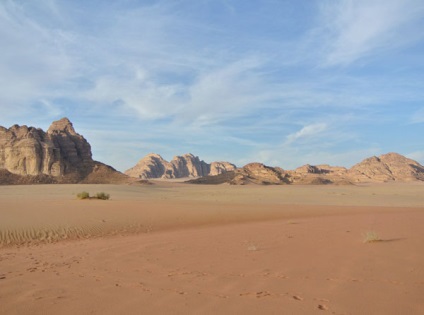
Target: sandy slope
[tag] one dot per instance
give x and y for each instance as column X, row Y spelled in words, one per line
column 212, row 250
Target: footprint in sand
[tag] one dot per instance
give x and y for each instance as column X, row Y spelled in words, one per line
column 258, row 294
column 298, row 298
column 262, row 294
column 322, row 307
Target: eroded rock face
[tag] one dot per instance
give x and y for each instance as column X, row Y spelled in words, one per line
column 74, row 149
column 252, row 173
column 188, row 165
column 61, row 154
column 217, row 168
column 31, row 151
column 262, row 174
column 387, row 167
column 151, row 166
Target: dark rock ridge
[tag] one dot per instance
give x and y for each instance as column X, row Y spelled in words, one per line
column 386, row 168
column 60, row 155
column 188, row 165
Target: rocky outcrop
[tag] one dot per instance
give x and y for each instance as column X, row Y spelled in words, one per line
column 58, row 155
column 387, row 167
column 259, row 173
column 253, row 173
column 151, row 166
column 319, row 175
column 188, row 165
column 217, row 168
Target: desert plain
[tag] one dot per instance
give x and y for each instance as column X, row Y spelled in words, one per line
column 176, row 248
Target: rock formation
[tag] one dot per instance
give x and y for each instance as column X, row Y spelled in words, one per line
column 151, row 166
column 252, row 173
column 58, row 155
column 387, row 167
column 319, row 175
column 188, row 165
column 217, row 168
column 29, row 155
column 259, row 173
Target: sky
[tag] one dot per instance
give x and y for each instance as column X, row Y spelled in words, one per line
column 281, row 82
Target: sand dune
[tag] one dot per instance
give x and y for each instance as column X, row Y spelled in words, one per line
column 173, row 248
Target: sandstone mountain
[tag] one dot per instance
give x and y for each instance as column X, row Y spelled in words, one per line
column 387, row 167
column 60, row 155
column 188, row 165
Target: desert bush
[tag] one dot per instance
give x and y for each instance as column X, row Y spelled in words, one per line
column 371, row 236
column 83, row 195
column 102, row 196
column 252, row 247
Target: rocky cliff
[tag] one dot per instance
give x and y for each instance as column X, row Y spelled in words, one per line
column 188, row 165
column 58, row 155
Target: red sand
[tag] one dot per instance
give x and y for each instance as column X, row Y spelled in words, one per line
column 214, row 250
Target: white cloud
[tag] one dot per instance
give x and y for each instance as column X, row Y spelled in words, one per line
column 33, row 59
column 225, row 91
column 309, row 131
column 358, row 28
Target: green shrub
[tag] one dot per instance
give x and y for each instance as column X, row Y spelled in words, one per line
column 83, row 195
column 102, row 196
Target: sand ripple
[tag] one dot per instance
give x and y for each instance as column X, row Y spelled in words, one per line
column 54, row 234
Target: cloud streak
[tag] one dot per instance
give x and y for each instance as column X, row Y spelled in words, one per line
column 310, row 131
column 360, row 28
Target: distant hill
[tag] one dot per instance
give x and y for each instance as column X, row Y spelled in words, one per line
column 386, row 168
column 188, row 165
column 30, row 155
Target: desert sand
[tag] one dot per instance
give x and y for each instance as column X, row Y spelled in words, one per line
column 174, row 248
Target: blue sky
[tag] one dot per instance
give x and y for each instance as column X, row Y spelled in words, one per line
column 280, row 82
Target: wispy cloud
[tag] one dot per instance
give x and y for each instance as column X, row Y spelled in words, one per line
column 309, row 131
column 33, row 60
column 355, row 29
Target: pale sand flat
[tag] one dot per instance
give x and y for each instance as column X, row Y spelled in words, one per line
column 215, row 250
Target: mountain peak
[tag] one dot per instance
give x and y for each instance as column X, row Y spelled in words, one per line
column 63, row 124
